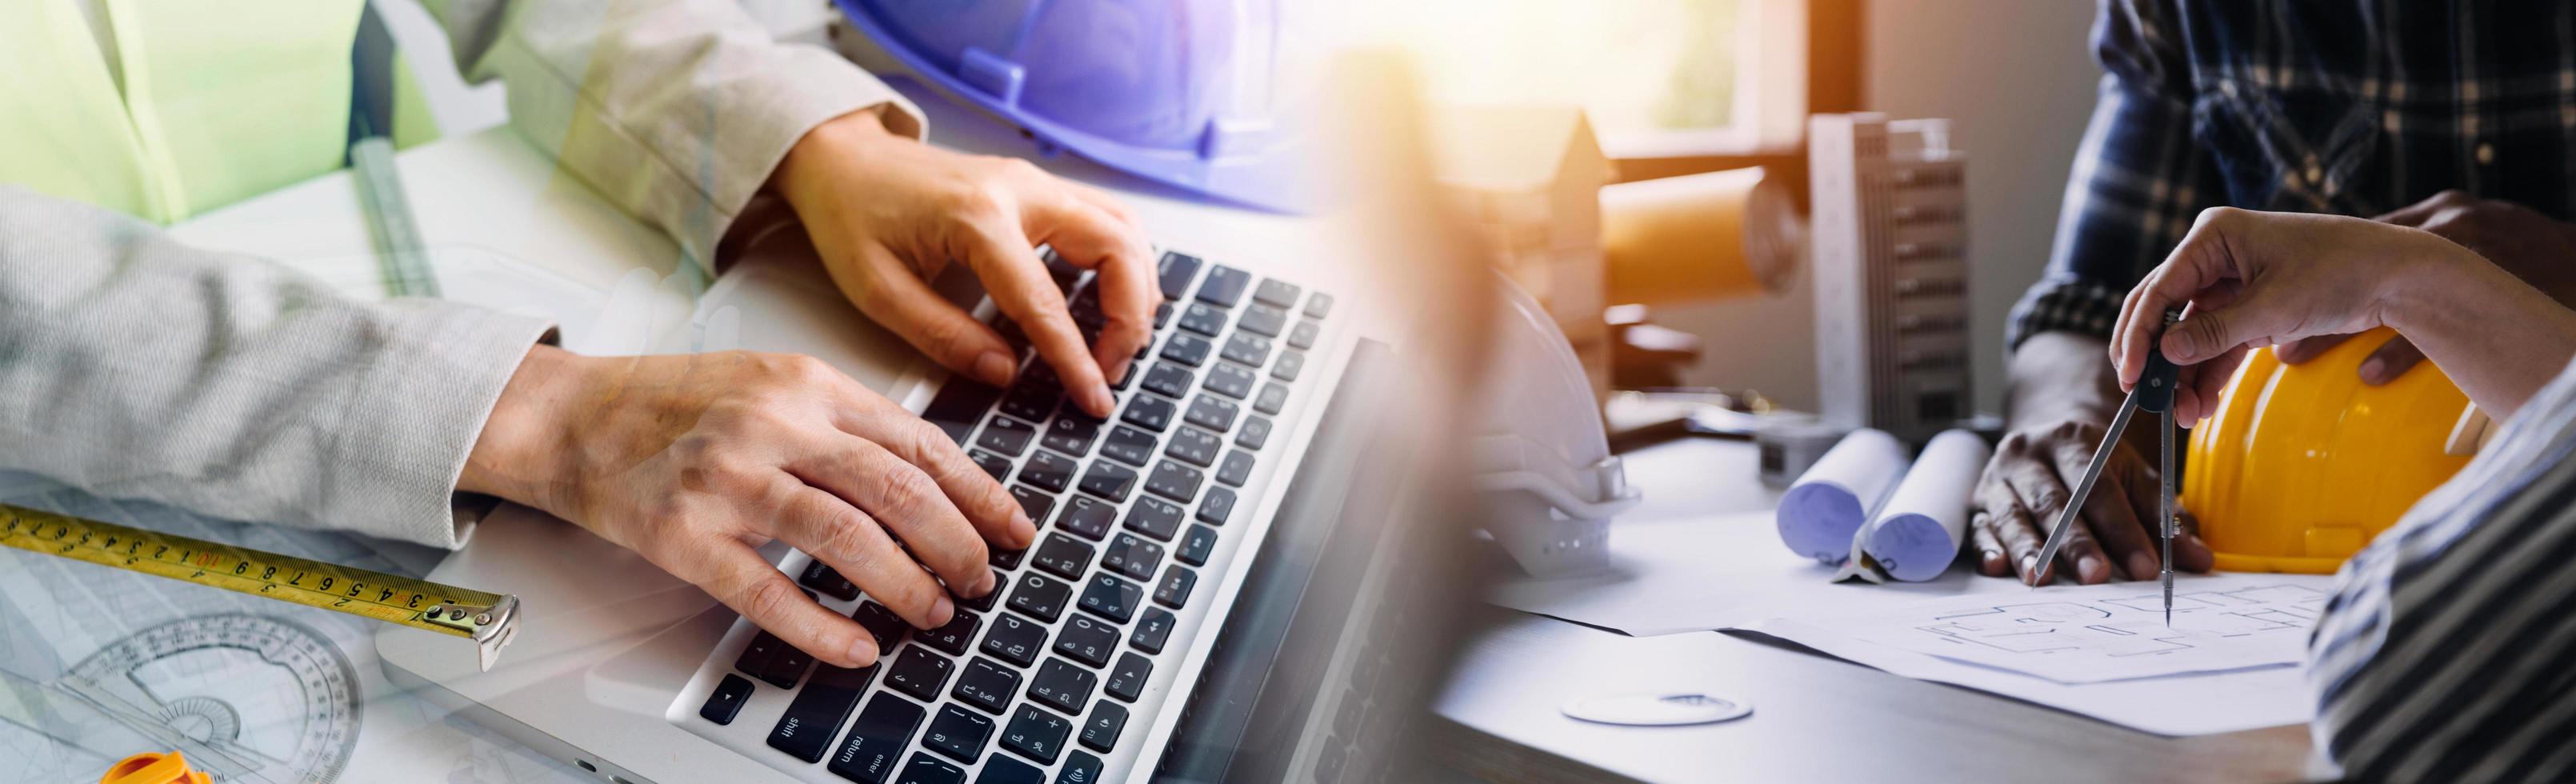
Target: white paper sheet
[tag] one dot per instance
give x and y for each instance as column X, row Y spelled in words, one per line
column 2116, row 631
column 1675, row 575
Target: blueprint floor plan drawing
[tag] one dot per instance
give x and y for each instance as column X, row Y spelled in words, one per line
column 2092, row 634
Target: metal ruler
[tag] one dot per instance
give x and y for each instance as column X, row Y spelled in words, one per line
column 489, row 619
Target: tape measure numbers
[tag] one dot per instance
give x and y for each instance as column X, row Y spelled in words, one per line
column 489, row 619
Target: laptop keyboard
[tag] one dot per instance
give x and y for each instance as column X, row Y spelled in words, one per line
column 1037, row 681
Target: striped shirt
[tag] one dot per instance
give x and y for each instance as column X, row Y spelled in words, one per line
column 2448, row 651
column 2354, row 107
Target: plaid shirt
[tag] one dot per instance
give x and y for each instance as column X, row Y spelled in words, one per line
column 2357, row 107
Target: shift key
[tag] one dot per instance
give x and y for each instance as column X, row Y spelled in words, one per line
column 806, row 730
column 875, row 745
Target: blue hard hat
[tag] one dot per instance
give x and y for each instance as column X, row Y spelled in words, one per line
column 1184, row 92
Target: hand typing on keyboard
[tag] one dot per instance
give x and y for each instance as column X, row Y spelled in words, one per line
column 692, row 461
column 887, row 213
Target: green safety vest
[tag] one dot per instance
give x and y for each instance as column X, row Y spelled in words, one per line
column 221, row 100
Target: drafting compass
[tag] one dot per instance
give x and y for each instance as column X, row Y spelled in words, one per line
column 2154, row 393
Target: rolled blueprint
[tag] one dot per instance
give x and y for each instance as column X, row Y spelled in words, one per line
column 1916, row 534
column 1821, row 514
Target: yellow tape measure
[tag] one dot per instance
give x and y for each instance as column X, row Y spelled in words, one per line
column 490, row 620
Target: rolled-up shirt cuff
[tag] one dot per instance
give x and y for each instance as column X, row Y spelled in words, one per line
column 2064, row 305
column 418, row 416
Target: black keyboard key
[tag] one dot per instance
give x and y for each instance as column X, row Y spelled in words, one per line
column 1109, row 480
column 1035, row 503
column 1168, row 380
column 1062, row 686
column 1212, row 412
column 959, row 405
column 1274, row 396
column 1289, row 365
column 1174, row 481
column 985, row 602
column 1133, row 557
column 1149, row 412
column 1154, row 517
column 986, row 685
column 1247, row 348
column 1063, row 556
column 1015, row 640
column 1277, row 292
column 1037, row 734
column 1041, row 597
column 1204, row 320
column 1303, row 337
column 1101, row 730
column 1319, row 306
column 958, row 733
column 1087, row 641
column 1004, row 770
column 785, row 668
column 1128, row 445
column 1003, row 561
column 1088, row 516
column 1073, row 430
column 1237, row 468
column 1034, row 396
column 919, row 673
column 1263, row 320
column 1174, row 590
column 821, row 577
column 1194, row 446
column 1162, row 315
column 1231, row 380
column 876, row 741
column 1187, row 349
column 995, row 465
column 1127, row 681
column 727, row 699
column 954, row 637
column 1081, row 768
column 881, row 623
column 1152, row 632
column 1128, row 377
column 1007, row 436
column 817, row 712
column 1047, row 471
column 1256, row 431
column 1176, row 271
column 1196, row 548
column 926, row 769
column 1218, row 505
column 1109, row 597
column 1224, row 286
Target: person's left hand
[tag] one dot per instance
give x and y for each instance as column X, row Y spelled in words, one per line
column 2535, row 248
column 888, row 213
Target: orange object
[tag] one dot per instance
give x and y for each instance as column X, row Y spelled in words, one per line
column 153, row 768
column 2303, row 464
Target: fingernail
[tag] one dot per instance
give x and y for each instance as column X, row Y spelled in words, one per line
column 942, row 610
column 983, row 585
column 1023, row 529
column 863, row 652
column 2141, row 565
column 1118, row 368
column 993, row 368
column 1101, row 399
column 2374, row 371
column 2091, row 569
column 2030, row 569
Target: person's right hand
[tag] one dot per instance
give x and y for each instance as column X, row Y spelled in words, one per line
column 2256, row 279
column 2061, row 405
column 694, row 460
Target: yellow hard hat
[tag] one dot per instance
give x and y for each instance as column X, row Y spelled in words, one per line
column 153, row 768
column 2303, row 464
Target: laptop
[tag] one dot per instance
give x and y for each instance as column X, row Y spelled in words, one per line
column 1238, row 576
